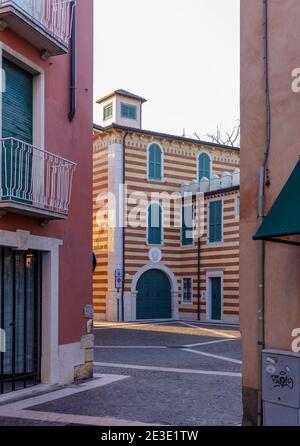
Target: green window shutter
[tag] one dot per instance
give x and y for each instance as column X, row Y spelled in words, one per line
column 187, row 226
column 154, row 224
column 17, row 123
column 215, row 221
column 128, row 111
column 17, row 103
column 155, row 163
column 204, row 166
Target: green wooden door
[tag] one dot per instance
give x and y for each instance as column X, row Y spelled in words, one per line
column 216, row 299
column 153, row 299
column 17, row 122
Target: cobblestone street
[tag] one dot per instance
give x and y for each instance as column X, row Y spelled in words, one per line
column 172, row 373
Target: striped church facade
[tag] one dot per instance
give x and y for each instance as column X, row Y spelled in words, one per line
column 203, row 275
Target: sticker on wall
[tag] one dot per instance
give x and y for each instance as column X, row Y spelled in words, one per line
column 155, row 255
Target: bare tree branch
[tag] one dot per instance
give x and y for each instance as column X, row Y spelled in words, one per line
column 227, row 138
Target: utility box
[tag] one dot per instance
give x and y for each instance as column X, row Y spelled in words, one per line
column 281, row 388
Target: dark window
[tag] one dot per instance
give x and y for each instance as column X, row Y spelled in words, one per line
column 187, row 292
column 107, row 112
column 128, row 111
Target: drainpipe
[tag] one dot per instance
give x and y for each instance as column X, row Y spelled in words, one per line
column 123, row 229
column 264, row 181
column 199, row 282
column 73, row 79
column 198, row 265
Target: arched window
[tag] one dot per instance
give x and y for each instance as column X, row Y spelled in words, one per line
column 155, row 230
column 155, row 162
column 204, row 166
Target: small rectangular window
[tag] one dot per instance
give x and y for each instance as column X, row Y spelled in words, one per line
column 215, row 224
column 128, row 111
column 187, row 290
column 238, row 207
column 107, row 112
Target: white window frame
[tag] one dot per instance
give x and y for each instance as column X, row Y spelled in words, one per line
column 211, row 164
column 162, row 163
column 38, row 92
column 210, row 275
column 238, row 207
column 183, row 302
column 111, row 104
column 129, row 105
column 162, row 225
column 222, row 221
column 191, row 245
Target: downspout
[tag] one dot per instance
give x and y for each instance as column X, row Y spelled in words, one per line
column 199, row 281
column 198, row 264
column 264, row 181
column 73, row 78
column 123, row 222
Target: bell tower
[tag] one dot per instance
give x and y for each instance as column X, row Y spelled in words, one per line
column 122, row 108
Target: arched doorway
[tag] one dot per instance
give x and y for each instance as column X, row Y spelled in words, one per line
column 153, row 300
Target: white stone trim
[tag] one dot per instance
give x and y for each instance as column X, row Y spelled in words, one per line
column 162, row 151
column 38, row 92
column 206, row 152
column 51, row 372
column 130, row 298
column 210, row 275
column 116, row 206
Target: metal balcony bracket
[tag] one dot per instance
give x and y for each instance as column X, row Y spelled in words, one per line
column 44, row 222
column 3, row 25
column 45, row 54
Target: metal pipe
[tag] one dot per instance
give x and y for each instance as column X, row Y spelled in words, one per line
column 264, row 180
column 73, row 81
column 198, row 263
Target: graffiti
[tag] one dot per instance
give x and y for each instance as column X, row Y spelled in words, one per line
column 283, row 380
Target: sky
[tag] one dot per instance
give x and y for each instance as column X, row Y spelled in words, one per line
column 181, row 55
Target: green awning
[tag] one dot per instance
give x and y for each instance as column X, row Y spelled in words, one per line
column 283, row 218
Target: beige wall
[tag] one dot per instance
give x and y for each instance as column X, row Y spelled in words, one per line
column 282, row 263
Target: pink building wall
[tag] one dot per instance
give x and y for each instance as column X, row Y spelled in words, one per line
column 282, row 299
column 72, row 141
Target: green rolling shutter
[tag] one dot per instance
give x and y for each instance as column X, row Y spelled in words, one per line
column 17, row 122
column 17, row 103
column 215, row 221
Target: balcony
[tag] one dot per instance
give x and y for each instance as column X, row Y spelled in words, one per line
column 34, row 182
column 215, row 183
column 46, row 24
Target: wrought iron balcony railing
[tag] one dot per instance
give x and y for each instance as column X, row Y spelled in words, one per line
column 34, row 181
column 44, row 23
